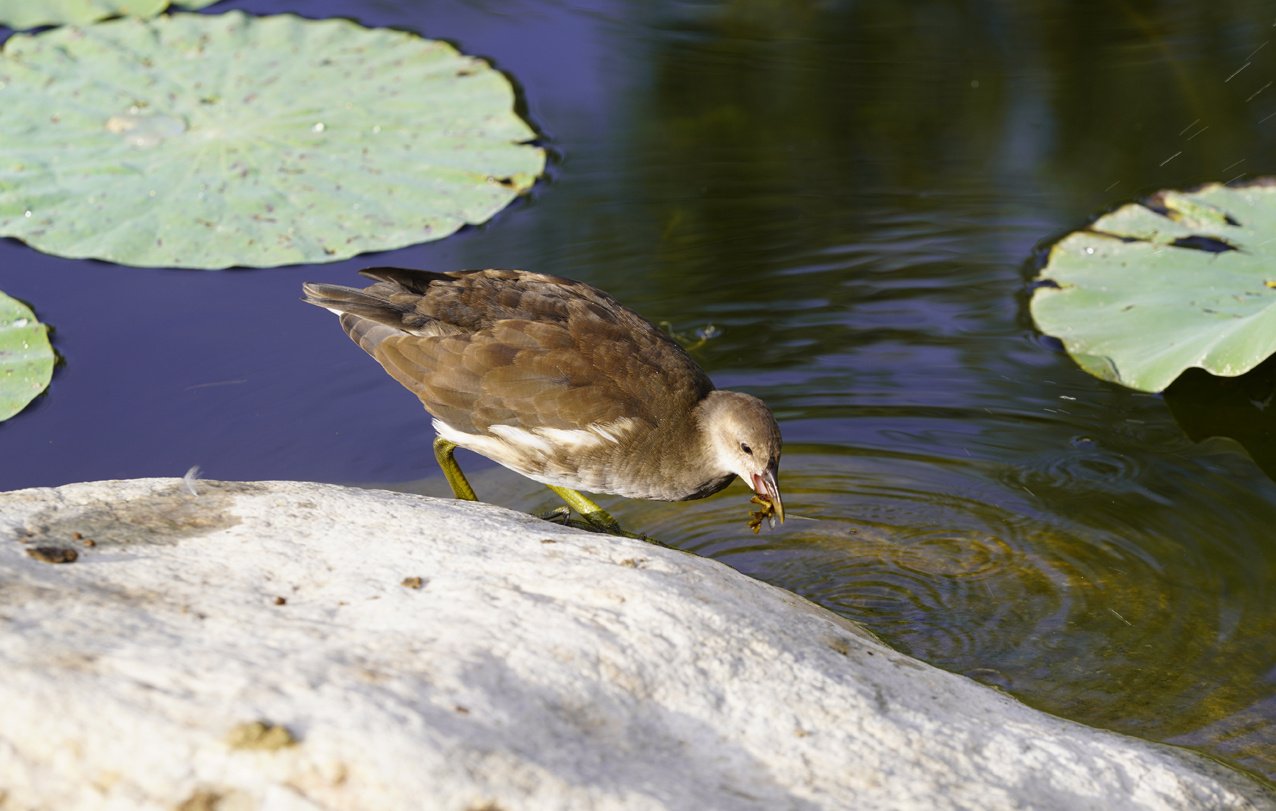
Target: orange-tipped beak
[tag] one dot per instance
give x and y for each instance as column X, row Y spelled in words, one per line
column 766, row 486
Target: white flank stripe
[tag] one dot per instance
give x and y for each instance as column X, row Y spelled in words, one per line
column 490, row 447
column 540, row 442
column 612, row 431
column 519, row 437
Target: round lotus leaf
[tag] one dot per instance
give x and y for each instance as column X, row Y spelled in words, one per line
column 22, row 14
column 26, row 359
column 212, row 141
column 1184, row 279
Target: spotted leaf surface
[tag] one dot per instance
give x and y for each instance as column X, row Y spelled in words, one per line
column 1185, row 279
column 204, row 141
column 23, row 14
column 26, row 359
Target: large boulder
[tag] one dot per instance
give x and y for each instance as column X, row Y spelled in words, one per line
column 281, row 645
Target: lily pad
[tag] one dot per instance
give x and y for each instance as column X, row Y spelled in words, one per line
column 213, row 141
column 1184, row 279
column 26, row 359
column 23, row 14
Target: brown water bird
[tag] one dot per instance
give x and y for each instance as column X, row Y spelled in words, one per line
column 556, row 380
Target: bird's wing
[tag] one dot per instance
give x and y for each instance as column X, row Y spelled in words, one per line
column 535, row 375
column 541, row 352
column 507, row 347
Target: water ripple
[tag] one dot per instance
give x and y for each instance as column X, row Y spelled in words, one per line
column 1083, row 468
column 1095, row 608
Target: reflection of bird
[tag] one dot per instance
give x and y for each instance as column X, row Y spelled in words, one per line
column 558, row 381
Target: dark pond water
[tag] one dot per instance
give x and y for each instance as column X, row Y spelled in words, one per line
column 855, row 194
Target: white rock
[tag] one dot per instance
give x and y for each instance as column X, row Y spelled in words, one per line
column 536, row 667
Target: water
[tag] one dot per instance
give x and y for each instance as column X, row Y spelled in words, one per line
column 856, row 196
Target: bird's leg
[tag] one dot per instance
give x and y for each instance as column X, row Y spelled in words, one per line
column 595, row 516
column 460, row 487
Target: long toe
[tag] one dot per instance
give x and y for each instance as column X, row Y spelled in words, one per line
column 558, row 515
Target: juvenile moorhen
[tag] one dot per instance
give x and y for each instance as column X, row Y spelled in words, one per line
column 556, row 380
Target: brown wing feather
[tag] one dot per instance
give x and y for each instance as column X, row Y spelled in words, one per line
column 492, row 347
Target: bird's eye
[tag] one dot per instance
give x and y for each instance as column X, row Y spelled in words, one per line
column 744, row 447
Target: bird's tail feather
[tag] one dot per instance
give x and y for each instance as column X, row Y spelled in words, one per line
column 416, row 281
column 366, row 317
column 352, row 300
column 367, row 334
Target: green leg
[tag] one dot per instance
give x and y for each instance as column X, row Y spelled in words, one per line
column 594, row 515
column 460, row 487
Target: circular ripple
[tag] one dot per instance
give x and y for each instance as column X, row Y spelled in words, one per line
column 934, row 552
column 953, row 583
column 1082, row 467
column 961, row 581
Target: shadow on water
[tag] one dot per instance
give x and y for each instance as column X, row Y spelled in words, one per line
column 848, row 192
column 1242, row 408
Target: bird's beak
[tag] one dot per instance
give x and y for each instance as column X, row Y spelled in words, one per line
column 765, row 485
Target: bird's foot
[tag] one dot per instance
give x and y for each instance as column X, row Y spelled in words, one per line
column 592, row 517
column 602, row 522
column 563, row 516
column 559, row 515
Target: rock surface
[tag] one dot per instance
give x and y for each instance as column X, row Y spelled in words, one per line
column 297, row 646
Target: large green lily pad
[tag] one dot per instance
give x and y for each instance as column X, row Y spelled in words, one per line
column 23, row 14
column 26, row 359
column 1186, row 279
column 213, row 141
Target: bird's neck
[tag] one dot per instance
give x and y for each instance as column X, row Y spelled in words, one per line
column 678, row 461
column 705, row 472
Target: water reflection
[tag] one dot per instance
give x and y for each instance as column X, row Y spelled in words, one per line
column 1237, row 407
column 851, row 190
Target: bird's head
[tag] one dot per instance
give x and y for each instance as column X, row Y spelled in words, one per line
column 745, row 439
